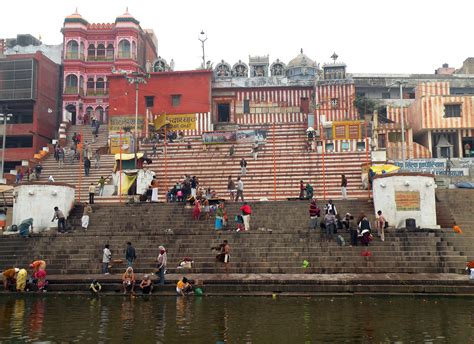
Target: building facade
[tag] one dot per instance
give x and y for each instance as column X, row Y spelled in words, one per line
column 262, row 93
column 30, row 92
column 185, row 93
column 442, row 122
column 91, row 52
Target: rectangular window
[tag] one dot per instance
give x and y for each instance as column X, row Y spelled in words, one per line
column 304, row 108
column 360, row 94
column 149, row 101
column 385, row 95
column 452, row 110
column 17, row 142
column 328, row 133
column 381, row 141
column 246, row 106
column 395, row 137
column 176, row 99
column 411, row 95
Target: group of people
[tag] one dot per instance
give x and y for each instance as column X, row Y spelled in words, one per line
column 28, row 174
column 330, row 222
column 17, row 278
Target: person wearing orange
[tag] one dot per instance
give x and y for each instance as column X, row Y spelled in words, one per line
column 183, row 287
column 457, row 229
column 9, row 278
column 38, row 265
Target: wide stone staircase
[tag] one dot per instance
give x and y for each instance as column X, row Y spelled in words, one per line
column 277, row 243
column 283, row 161
column 73, row 173
column 458, row 206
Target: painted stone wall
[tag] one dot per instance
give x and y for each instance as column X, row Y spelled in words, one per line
column 406, row 195
column 38, row 201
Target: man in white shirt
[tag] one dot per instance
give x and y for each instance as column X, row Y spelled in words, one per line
column 106, row 259
column 240, row 190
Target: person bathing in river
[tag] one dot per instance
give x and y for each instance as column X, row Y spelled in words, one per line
column 128, row 281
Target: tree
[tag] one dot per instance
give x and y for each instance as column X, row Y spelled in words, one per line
column 365, row 106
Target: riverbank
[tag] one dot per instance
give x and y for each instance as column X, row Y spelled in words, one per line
column 285, row 284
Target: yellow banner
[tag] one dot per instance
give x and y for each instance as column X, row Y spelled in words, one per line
column 160, row 121
column 177, row 122
column 120, row 122
column 127, row 144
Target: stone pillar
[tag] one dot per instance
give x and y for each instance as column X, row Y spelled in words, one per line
column 460, row 147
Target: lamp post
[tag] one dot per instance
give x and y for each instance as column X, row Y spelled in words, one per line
column 134, row 78
column 400, row 84
column 4, row 118
column 203, row 38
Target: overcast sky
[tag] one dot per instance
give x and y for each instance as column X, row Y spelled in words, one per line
column 370, row 36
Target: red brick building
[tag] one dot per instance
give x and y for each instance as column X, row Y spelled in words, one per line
column 30, row 91
column 91, row 51
column 170, row 93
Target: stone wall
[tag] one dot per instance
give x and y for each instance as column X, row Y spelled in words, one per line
column 406, row 195
column 37, row 200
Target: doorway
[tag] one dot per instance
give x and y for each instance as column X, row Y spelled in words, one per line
column 72, row 109
column 223, row 112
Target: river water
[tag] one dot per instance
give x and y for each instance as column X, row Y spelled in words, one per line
column 123, row 319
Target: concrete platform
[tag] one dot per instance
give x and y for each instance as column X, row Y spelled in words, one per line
column 285, row 284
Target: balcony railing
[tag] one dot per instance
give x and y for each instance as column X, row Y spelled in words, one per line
column 100, row 58
column 71, row 90
column 97, row 92
column 74, row 56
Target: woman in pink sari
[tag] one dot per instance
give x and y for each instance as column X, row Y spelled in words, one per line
column 196, row 210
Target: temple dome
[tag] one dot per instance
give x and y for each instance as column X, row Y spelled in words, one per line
column 75, row 18
column 301, row 60
column 127, row 17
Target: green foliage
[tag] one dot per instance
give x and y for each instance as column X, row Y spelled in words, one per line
column 365, row 106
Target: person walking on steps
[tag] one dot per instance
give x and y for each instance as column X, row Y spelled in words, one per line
column 130, row 254
column 344, row 186
column 87, row 166
column 161, row 265
column 243, row 167
column 86, row 216
column 240, row 190
column 101, row 184
column 91, row 193
column 59, row 215
column 107, row 256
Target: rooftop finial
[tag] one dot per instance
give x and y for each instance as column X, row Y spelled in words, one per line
column 77, row 12
column 126, row 9
column 334, row 57
column 301, row 50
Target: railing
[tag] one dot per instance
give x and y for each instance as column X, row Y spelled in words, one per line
column 100, row 58
column 71, row 90
column 97, row 92
column 74, row 56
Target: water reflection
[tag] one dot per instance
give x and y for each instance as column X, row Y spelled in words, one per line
column 104, row 319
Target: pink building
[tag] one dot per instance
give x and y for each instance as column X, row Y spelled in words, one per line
column 90, row 53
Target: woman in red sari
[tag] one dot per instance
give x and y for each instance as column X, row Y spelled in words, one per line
column 196, row 210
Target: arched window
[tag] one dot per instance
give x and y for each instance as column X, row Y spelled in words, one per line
column 90, row 86
column 81, row 51
column 71, row 84
column 100, row 86
column 101, row 52
column 110, row 52
column 72, row 50
column 124, row 49
column 99, row 113
column 91, row 52
column 134, row 50
column 89, row 110
column 81, row 84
